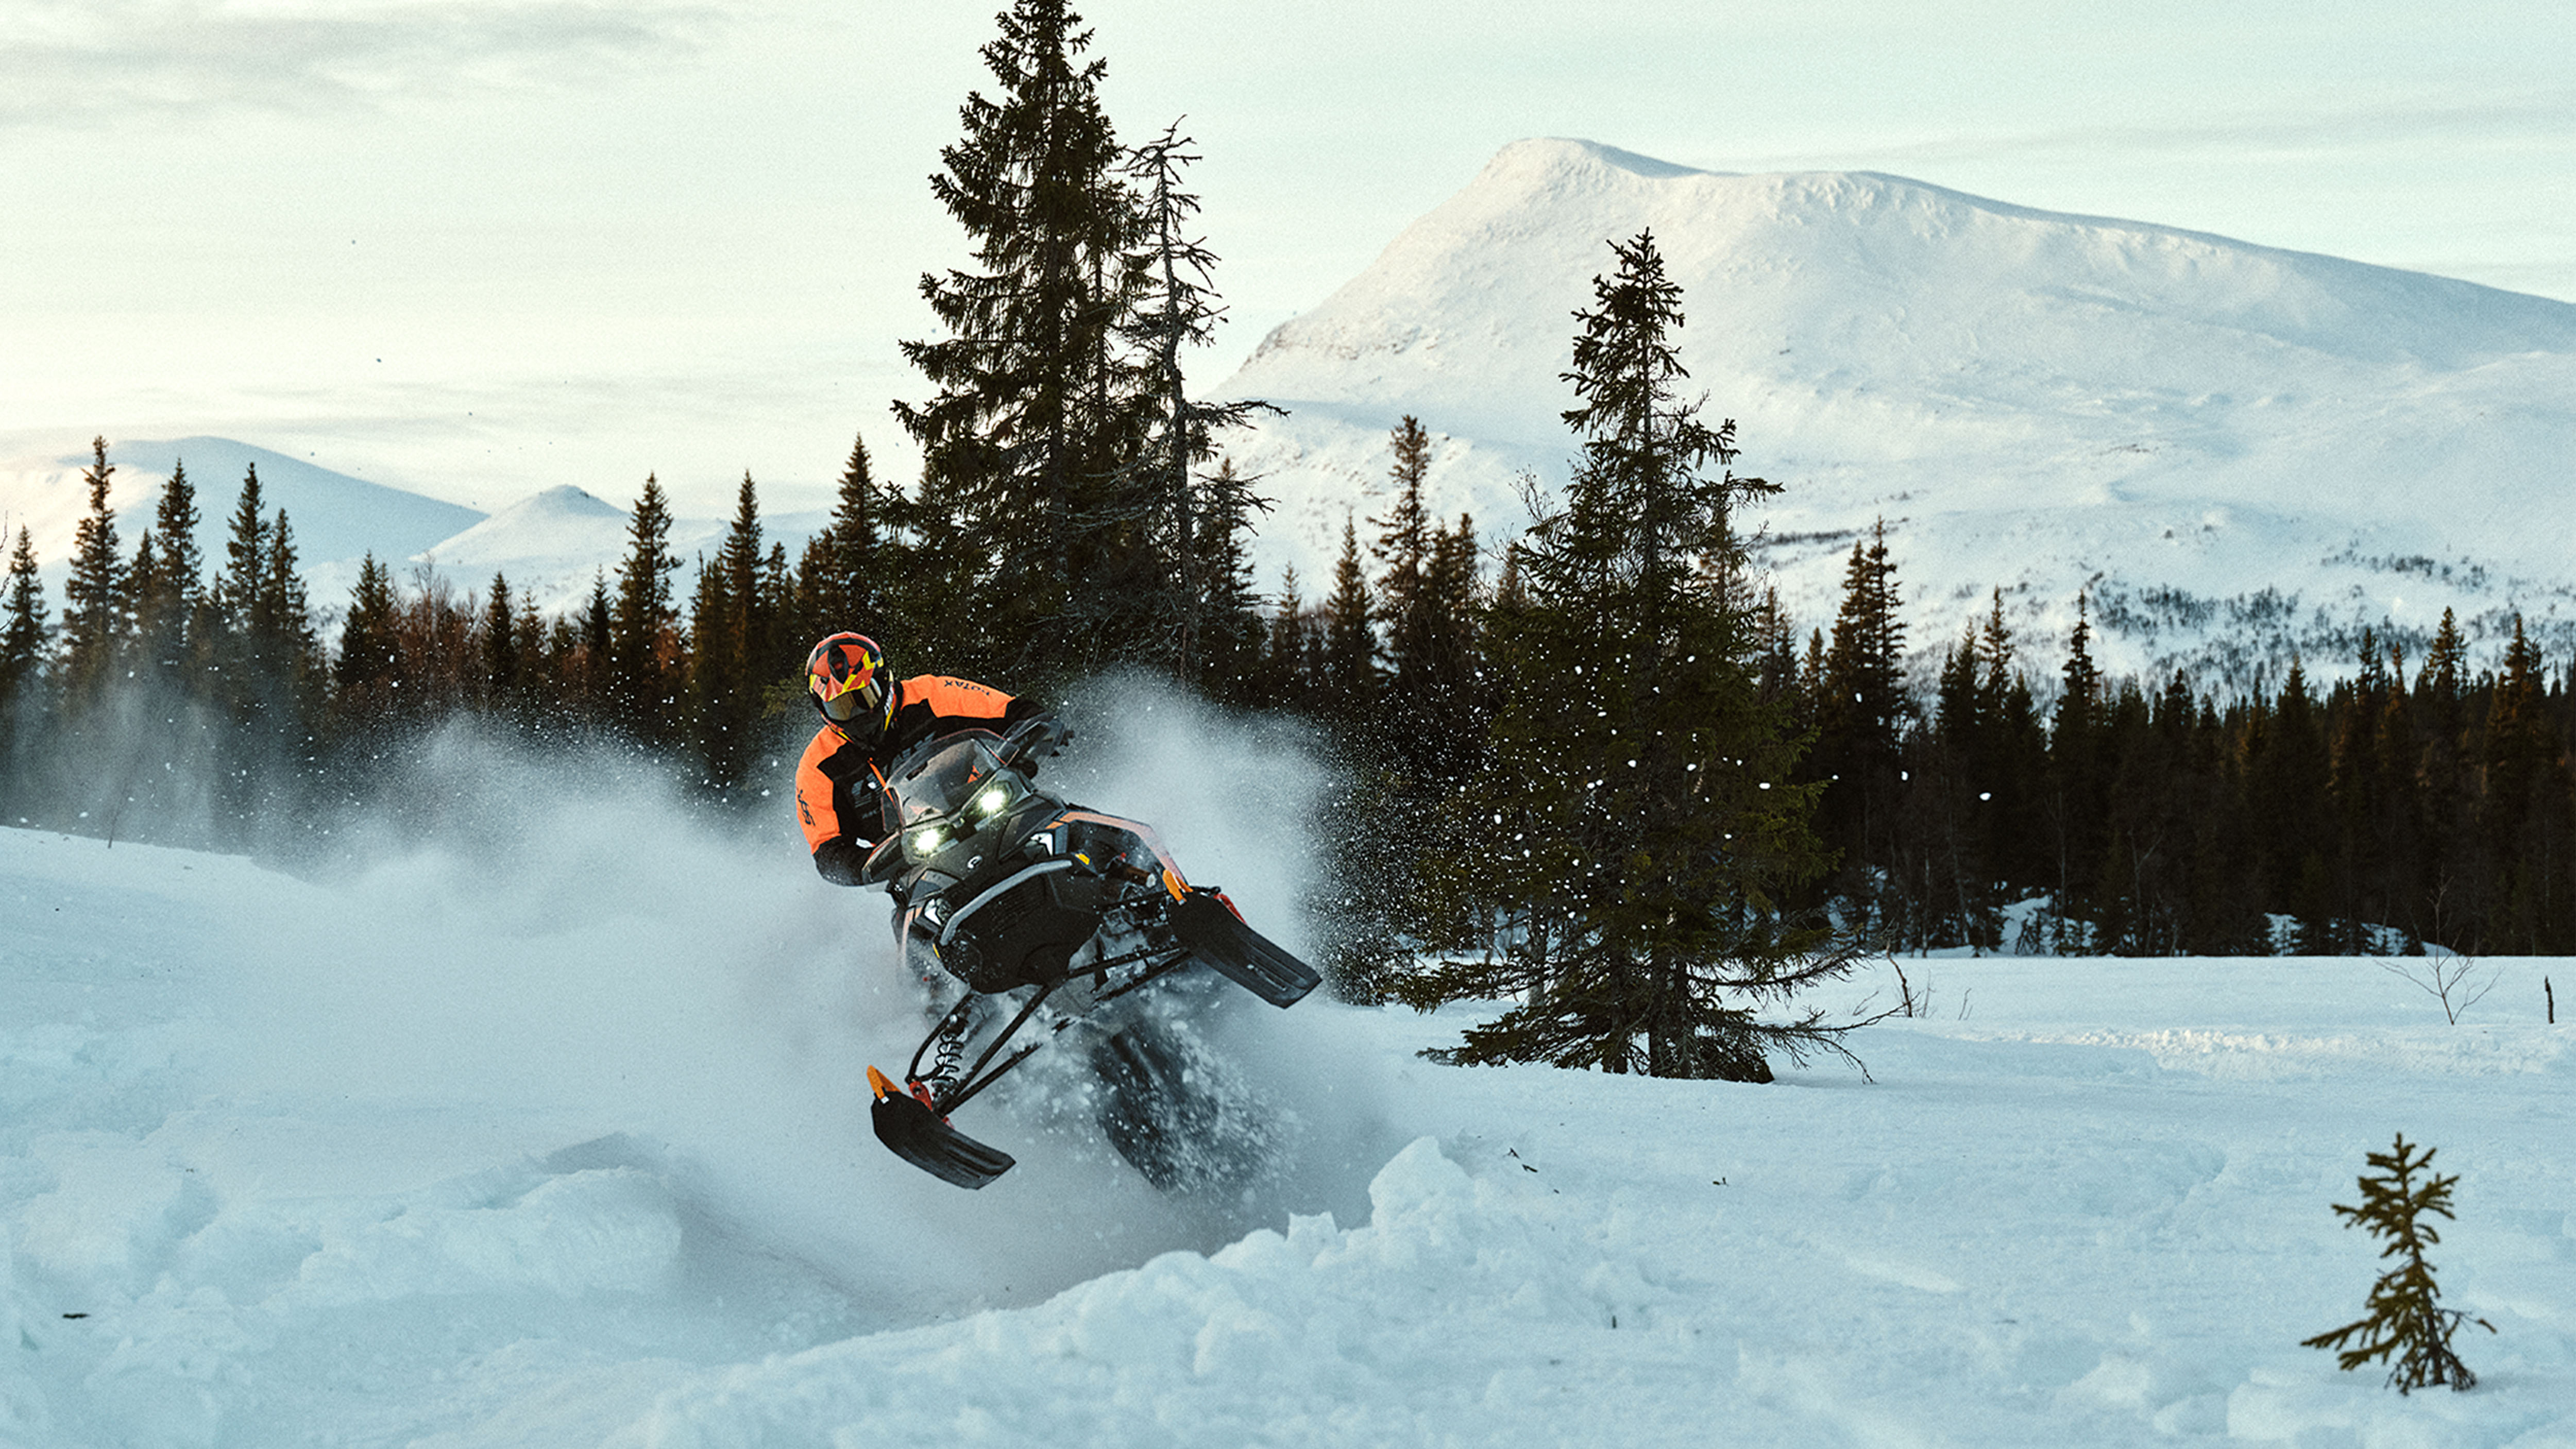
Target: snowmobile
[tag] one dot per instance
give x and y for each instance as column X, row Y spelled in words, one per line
column 1055, row 918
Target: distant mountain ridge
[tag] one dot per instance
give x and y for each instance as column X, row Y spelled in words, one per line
column 2243, row 452
column 333, row 514
column 550, row 545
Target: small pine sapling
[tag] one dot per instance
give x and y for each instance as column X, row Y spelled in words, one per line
column 2406, row 1318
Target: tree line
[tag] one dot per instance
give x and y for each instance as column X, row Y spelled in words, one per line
column 2405, row 804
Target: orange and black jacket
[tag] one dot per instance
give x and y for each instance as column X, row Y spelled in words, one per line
column 839, row 782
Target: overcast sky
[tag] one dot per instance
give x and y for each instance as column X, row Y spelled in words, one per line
column 478, row 247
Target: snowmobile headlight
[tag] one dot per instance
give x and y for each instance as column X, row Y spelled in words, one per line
column 924, row 840
column 994, row 799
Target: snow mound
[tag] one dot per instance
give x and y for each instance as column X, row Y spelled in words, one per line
column 1459, row 1301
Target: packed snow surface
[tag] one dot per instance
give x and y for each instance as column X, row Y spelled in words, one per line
column 537, row 1118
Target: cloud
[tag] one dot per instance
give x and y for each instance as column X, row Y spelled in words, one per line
column 77, row 63
column 2547, row 119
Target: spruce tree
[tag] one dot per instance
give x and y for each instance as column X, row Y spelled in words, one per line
column 26, row 632
column 1226, row 662
column 95, row 596
column 1646, row 785
column 366, row 676
column 540, row 664
column 245, row 559
column 2407, row 1327
column 1349, row 662
column 1403, row 552
column 851, row 569
column 287, row 645
column 1957, row 791
column 595, row 636
column 2013, row 758
column 776, row 650
column 1191, row 608
column 730, row 639
column 644, row 644
column 2075, row 784
column 170, row 596
column 1288, row 649
column 1861, row 713
column 1458, row 708
column 2444, row 766
column 503, row 649
column 1027, row 489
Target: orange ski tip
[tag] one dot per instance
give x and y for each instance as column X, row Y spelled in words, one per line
column 878, row 1081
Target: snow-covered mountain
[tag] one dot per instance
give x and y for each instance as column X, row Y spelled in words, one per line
column 552, row 544
column 549, row 544
column 2240, row 451
column 334, row 515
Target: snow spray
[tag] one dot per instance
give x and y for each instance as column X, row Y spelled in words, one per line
column 563, row 943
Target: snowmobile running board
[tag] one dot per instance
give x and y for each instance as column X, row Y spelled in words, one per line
column 911, row 1131
column 1206, row 923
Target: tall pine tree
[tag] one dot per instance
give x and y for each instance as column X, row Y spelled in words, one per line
column 1027, row 488
column 170, row 588
column 731, row 648
column 96, row 599
column 1861, row 715
column 1647, row 782
column 26, row 630
column 852, row 568
column 366, row 678
column 1190, row 614
column 644, row 646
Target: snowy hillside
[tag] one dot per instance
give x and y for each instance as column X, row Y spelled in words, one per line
column 335, row 517
column 2032, row 401
column 541, row 1122
column 550, row 544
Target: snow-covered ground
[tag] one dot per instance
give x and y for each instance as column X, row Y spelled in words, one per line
column 541, row 1122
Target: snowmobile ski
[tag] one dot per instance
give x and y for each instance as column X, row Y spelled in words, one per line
column 912, row 1131
column 1206, row 922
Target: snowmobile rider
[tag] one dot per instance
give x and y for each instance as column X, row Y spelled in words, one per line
column 869, row 718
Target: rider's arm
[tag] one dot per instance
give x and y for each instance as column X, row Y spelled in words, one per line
column 959, row 704
column 840, row 826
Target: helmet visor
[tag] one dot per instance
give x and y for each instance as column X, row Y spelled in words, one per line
column 848, row 700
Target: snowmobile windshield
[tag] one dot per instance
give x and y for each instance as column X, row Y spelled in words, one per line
column 956, row 788
column 944, row 780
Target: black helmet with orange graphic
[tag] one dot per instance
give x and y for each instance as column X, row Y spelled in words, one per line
column 851, row 685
